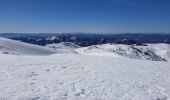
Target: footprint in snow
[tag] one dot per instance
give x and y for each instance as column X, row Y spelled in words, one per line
column 82, row 91
column 36, row 98
column 163, row 98
column 33, row 74
column 47, row 70
column 64, row 67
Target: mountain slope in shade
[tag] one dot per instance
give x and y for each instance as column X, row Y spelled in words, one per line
column 8, row 46
column 121, row 50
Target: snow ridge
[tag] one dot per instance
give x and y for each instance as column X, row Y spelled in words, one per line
column 130, row 51
column 64, row 47
column 8, row 46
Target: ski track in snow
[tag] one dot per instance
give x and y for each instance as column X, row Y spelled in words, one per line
column 81, row 77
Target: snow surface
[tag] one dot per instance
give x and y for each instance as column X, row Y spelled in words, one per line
column 80, row 77
column 30, row 76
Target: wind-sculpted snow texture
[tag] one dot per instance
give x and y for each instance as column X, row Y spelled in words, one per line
column 80, row 77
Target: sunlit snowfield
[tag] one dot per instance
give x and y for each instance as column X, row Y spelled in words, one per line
column 73, row 76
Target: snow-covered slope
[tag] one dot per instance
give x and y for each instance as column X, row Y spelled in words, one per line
column 64, row 47
column 160, row 49
column 81, row 77
column 8, row 46
column 121, row 50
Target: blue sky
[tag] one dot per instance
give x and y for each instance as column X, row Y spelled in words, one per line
column 92, row 16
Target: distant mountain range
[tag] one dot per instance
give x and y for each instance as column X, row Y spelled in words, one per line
column 85, row 39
